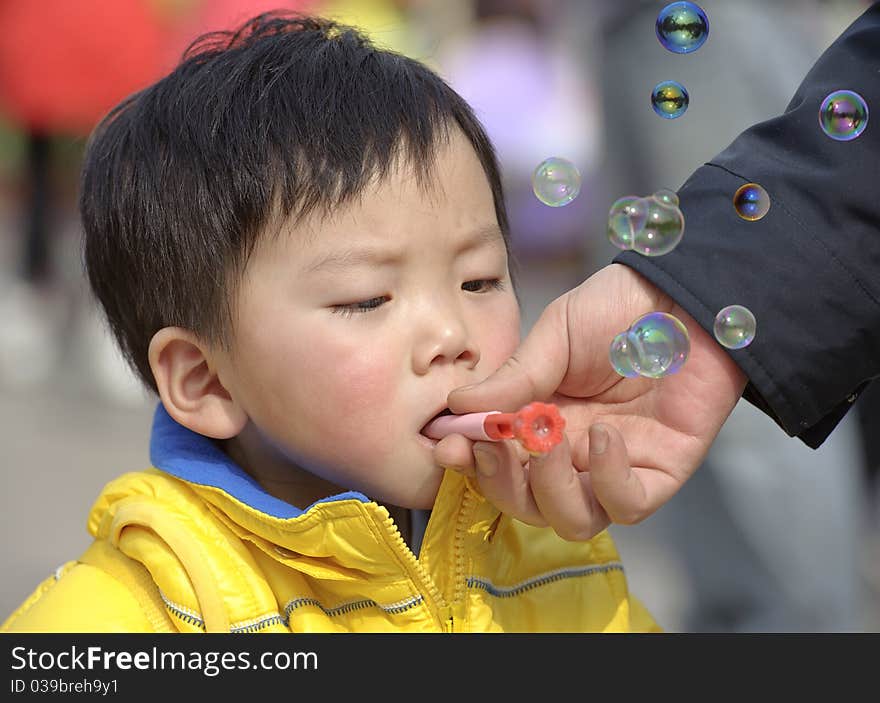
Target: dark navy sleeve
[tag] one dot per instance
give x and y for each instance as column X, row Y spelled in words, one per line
column 810, row 269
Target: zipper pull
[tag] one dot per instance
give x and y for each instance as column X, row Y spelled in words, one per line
column 446, row 619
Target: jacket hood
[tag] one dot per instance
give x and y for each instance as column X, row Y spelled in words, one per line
column 195, row 459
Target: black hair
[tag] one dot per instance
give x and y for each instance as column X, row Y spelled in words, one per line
column 284, row 116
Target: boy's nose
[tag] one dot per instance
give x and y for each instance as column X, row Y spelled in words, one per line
column 444, row 339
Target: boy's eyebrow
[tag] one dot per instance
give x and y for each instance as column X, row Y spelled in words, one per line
column 354, row 256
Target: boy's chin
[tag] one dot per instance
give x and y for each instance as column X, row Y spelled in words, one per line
column 421, row 499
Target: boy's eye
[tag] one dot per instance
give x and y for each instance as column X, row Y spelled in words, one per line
column 362, row 306
column 483, row 285
column 480, row 285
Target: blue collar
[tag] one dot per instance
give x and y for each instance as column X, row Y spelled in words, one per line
column 196, row 459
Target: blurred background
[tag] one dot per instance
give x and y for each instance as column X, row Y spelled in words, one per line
column 767, row 536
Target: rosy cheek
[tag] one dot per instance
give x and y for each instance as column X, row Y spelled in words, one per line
column 355, row 389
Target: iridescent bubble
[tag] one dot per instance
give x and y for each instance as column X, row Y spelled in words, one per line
column 682, row 27
column 843, row 115
column 751, row 202
column 638, row 213
column 735, row 327
column 662, row 231
column 556, row 182
column 660, row 344
column 619, row 231
column 666, row 197
column 623, row 213
column 619, row 353
column 670, row 99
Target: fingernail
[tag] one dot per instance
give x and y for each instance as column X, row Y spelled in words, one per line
column 598, row 439
column 487, row 464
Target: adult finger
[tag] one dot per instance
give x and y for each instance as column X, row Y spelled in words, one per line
column 564, row 495
column 614, row 482
column 504, row 481
column 534, row 370
column 455, row 452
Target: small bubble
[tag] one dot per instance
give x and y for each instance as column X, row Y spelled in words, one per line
column 751, row 202
column 556, row 182
column 619, row 353
column 670, row 99
column 682, row 27
column 843, row 115
column 666, row 197
column 623, row 213
column 735, row 327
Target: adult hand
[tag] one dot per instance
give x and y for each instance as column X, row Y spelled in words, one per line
column 630, row 443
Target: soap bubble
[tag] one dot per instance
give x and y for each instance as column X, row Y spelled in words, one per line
column 666, row 197
column 556, row 182
column 626, row 214
column 682, row 27
column 652, row 226
column 751, row 202
column 620, row 356
column 662, row 231
column 843, row 115
column 660, row 344
column 655, row 345
column 735, row 327
column 670, row 99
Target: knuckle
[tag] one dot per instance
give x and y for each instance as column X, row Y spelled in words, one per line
column 521, row 370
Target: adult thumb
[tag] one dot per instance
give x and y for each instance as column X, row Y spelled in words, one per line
column 533, row 372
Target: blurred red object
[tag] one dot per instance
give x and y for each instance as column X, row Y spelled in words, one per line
column 219, row 15
column 65, row 63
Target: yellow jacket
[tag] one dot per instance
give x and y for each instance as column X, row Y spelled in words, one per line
column 196, row 545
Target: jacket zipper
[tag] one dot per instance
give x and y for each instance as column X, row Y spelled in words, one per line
column 444, row 610
column 439, row 604
column 458, row 554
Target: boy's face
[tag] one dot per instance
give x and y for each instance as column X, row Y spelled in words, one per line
column 352, row 330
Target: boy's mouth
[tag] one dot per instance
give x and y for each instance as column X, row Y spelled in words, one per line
column 445, row 411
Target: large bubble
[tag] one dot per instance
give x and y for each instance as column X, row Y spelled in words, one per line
column 655, row 345
column 682, row 27
column 652, row 226
column 556, row 181
column 662, row 231
column 843, row 115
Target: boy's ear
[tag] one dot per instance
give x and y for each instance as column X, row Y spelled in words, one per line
column 189, row 386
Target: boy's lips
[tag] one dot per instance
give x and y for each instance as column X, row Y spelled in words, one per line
column 441, row 413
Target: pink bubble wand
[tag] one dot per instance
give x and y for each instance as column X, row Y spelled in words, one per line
column 537, row 426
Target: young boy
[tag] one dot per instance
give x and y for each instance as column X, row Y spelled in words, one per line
column 300, row 244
